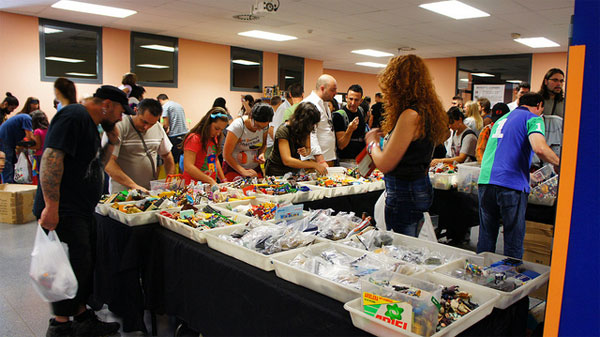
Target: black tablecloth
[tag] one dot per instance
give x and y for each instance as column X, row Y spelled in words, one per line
column 121, row 256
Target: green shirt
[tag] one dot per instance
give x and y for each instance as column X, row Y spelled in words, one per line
column 289, row 111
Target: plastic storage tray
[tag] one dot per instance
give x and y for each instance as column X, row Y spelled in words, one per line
column 443, row 181
column 190, row 232
column 506, row 299
column 241, row 253
column 544, row 193
column 162, row 184
column 103, row 209
column 311, row 281
column 484, row 297
column 315, row 193
column 468, row 175
column 412, row 242
column 136, row 219
column 224, row 207
column 541, row 175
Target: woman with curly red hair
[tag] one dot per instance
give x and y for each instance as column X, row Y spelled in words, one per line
column 414, row 123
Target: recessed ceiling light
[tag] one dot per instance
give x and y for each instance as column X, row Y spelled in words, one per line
column 371, row 64
column 464, row 80
column 159, row 47
column 537, row 42
column 245, row 62
column 483, row 75
column 48, row 30
column 93, row 9
column 514, row 81
column 259, row 34
column 455, row 9
column 289, row 77
column 80, row 74
column 371, row 52
column 63, row 59
column 152, row 66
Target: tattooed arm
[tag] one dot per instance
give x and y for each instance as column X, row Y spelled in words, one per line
column 50, row 178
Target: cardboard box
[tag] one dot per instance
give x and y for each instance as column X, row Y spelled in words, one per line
column 16, row 203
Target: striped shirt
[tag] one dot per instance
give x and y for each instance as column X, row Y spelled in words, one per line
column 174, row 111
column 131, row 156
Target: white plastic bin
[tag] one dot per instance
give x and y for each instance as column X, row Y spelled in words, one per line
column 161, row 184
column 226, row 208
column 443, row 181
column 506, row 299
column 136, row 219
column 484, row 297
column 468, row 175
column 544, row 193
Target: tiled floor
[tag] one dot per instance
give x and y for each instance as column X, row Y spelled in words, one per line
column 22, row 311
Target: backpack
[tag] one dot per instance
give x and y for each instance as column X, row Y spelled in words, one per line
column 344, row 115
column 466, row 133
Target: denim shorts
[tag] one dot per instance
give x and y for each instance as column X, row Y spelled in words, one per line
column 405, row 203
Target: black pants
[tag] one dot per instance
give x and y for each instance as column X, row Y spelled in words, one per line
column 175, row 150
column 80, row 235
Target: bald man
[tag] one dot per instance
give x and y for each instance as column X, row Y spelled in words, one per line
column 322, row 141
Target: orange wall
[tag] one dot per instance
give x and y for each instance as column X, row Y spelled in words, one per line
column 312, row 70
column 541, row 63
column 443, row 74
column 347, row 78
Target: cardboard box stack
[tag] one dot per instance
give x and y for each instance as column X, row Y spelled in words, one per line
column 16, row 203
column 538, row 248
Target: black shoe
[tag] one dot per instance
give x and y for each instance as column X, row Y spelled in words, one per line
column 87, row 324
column 56, row 329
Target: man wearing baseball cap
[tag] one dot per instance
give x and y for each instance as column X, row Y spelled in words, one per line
column 73, row 152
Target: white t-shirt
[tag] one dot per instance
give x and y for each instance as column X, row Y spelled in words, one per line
column 323, row 140
column 131, row 156
column 468, row 145
column 277, row 120
column 248, row 144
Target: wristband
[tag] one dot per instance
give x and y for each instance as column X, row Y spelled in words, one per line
column 381, row 141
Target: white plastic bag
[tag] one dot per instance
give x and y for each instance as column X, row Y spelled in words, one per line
column 22, row 170
column 379, row 211
column 427, row 231
column 50, row 269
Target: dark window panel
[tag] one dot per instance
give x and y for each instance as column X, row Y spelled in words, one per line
column 246, row 69
column 291, row 70
column 154, row 59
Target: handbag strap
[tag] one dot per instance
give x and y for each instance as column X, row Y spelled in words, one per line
column 148, row 154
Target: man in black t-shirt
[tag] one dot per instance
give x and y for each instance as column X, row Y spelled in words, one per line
column 376, row 112
column 70, row 186
column 349, row 125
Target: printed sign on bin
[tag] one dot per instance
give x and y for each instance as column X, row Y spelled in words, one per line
column 398, row 314
column 289, row 212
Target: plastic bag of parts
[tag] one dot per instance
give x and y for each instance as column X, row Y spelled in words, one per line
column 370, row 239
column 268, row 239
column 416, row 255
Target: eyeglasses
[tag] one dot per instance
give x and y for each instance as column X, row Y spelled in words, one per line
column 258, row 126
column 556, row 80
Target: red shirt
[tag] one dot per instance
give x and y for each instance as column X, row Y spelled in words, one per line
column 206, row 161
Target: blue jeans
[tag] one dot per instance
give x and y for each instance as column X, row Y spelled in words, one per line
column 8, row 174
column 405, row 203
column 495, row 203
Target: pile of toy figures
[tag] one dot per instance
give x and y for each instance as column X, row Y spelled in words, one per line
column 454, row 305
column 207, row 218
column 505, row 275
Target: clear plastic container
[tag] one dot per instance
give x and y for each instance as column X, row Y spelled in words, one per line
column 162, row 185
column 544, row 193
column 468, row 175
column 541, row 175
column 444, row 181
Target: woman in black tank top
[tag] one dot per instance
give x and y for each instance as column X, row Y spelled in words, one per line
column 414, row 122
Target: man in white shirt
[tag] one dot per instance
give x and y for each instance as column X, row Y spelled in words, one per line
column 322, row 141
column 521, row 89
column 133, row 163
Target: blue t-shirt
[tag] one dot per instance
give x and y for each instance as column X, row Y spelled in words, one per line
column 13, row 130
column 508, row 153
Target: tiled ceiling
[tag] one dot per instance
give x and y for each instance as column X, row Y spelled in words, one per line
column 329, row 29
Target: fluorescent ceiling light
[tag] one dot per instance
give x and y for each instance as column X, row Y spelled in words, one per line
column 159, row 47
column 48, row 30
column 259, row 34
column 483, row 75
column 537, row 42
column 93, row 9
column 289, row 77
column 371, row 52
column 455, row 9
column 245, row 62
column 464, row 80
column 80, row 74
column 153, row 66
column 371, row 64
column 514, row 81
column 63, row 59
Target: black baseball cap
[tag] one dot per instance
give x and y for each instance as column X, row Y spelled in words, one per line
column 499, row 110
column 116, row 95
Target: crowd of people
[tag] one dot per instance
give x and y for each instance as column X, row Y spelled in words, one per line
column 117, row 134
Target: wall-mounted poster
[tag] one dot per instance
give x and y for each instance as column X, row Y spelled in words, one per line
column 493, row 92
